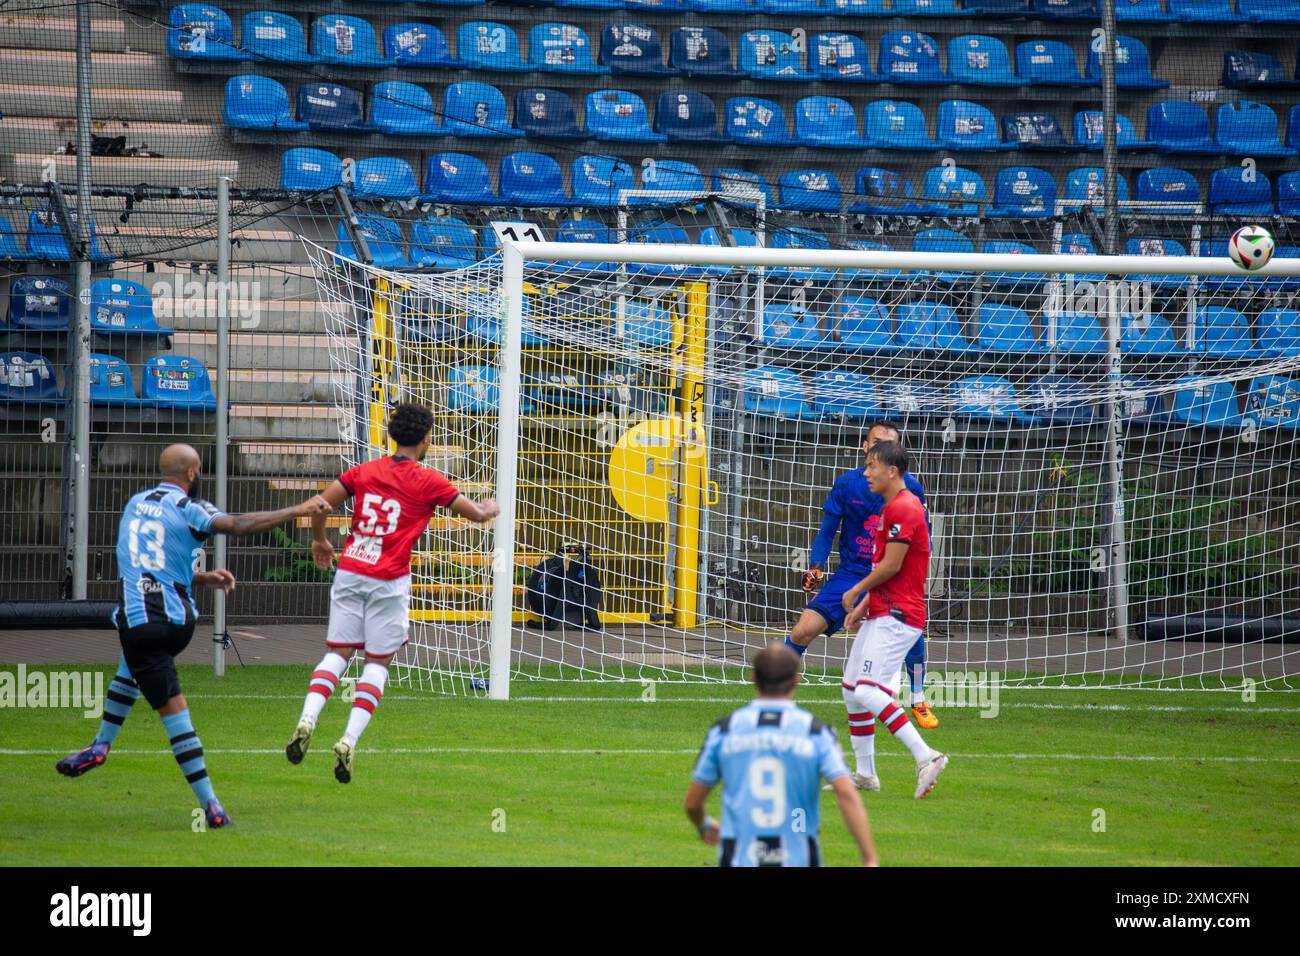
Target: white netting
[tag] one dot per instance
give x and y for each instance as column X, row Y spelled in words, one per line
column 685, row 424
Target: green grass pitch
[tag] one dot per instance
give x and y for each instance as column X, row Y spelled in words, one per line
column 1188, row 778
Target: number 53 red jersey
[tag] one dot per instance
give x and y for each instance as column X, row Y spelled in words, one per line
column 392, row 499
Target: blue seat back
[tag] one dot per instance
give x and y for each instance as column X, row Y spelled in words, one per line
column 1034, row 131
column 618, row 112
column 975, row 58
column 345, row 40
column 864, row 323
column 598, row 180
column 255, row 102
column 904, row 399
column 797, row 237
column 885, row 190
column 1149, row 335
column 686, row 115
column 809, row 190
column 383, row 238
column 742, row 187
column 310, row 169
column 1274, row 401
column 841, row 57
column 197, row 31
column 328, row 106
column 397, row 107
column 458, row 178
column 39, row 303
column 27, row 377
column 826, row 121
column 1243, row 69
column 1132, row 64
column 1087, row 185
column 929, row 326
column 1141, row 11
column 1247, row 127
column 700, row 51
column 1005, row 328
column 1288, row 194
column 1059, row 400
column 787, row 326
column 895, row 124
column 751, row 119
column 986, row 396
column 492, row 46
column 120, row 305
column 417, row 44
column 1167, row 185
column 1222, row 330
column 1064, row 9
column 560, row 48
column 384, row 177
column 1079, row 332
column 178, row 381
column 45, row 238
column 631, row 48
column 111, row 382
column 474, row 389
column 966, row 125
column 475, row 109
column 1279, row 331
column 647, row 325
column 1208, row 405
column 775, row 391
column 771, row 54
column 1234, row 192
column 958, row 190
column 267, row 35
column 532, row 179
column 1268, row 11
column 672, row 176
column 1025, row 191
column 1047, row 62
column 1179, row 126
column 849, row 395
column 1203, row 11
column 1090, row 130
column 546, row 114
column 909, row 57
column 442, row 241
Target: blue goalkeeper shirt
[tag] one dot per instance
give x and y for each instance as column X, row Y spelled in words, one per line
column 852, row 510
column 771, row 756
column 159, row 538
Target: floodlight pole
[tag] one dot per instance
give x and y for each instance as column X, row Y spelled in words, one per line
column 79, row 393
column 1110, row 131
column 219, row 635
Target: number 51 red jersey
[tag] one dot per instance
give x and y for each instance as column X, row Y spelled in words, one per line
column 392, row 499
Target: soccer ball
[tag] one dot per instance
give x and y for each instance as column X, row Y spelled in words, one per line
column 1251, row 247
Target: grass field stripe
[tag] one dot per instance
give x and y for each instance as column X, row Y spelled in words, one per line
column 630, row 752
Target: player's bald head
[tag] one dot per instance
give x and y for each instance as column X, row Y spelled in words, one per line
column 776, row 670
column 176, row 461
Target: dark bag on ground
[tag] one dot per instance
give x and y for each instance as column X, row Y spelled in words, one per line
column 563, row 597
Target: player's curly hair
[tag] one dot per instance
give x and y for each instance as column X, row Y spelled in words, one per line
column 409, row 423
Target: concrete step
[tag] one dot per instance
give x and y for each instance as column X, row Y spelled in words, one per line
column 60, row 33
column 260, row 350
column 266, row 248
column 281, row 423
column 273, row 279
column 25, row 134
column 124, row 170
column 106, row 102
column 142, row 71
column 256, row 313
column 281, row 459
column 277, row 387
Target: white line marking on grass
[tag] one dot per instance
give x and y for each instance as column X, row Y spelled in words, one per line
column 665, row 752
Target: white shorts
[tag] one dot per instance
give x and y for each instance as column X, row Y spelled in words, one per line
column 369, row 612
column 878, row 652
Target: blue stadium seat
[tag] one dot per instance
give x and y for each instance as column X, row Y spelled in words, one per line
column 757, row 122
column 790, row 327
column 547, row 114
column 1288, row 194
column 905, row 399
column 989, row 397
column 689, row 117
column 982, row 60
column 1234, row 193
column 46, row 241
column 864, row 325
column 943, row 240
column 345, row 41
column 647, row 326
column 197, row 31
column 928, row 8
column 660, row 6
column 1202, row 11
column 256, row 102
column 929, row 327
column 417, row 45
column 1020, row 281
column 178, row 381
column 562, row 48
column 384, row 177
column 111, row 382
column 310, row 169
column 1165, row 184
column 1155, row 246
column 1078, row 333
column 963, row 125
column 1141, row 11
column 588, row 4
column 473, row 389
column 772, row 391
column 403, row 109
column 1223, row 332
column 123, row 307
column 39, row 303
column 673, row 179
column 885, row 275
column 840, row 58
column 28, row 379
column 1049, row 63
column 633, row 48
column 442, row 242
column 597, row 181
column 1086, row 186
column 1149, row 336
column 1023, row 192
column 476, row 110
column 1279, row 332
column 1250, row 70
column 809, row 190
column 1035, row 131
column 789, row 7
column 847, row 395
column 1293, row 122
column 1132, row 65
column 954, row 191
column 709, row 237
column 1177, row 126
column 1245, row 128
column 383, row 238
column 772, row 55
column 893, row 124
column 909, row 57
column 701, row 51
column 531, row 179
column 1273, row 401
column 1079, row 244
column 620, row 116
column 1005, row 328
column 10, row 244
column 330, row 108
column 741, row 187
column 459, row 179
column 1058, row 400
column 584, row 231
column 855, row 8
column 488, row 46
column 826, row 121
column 1209, row 406
column 1268, row 11
column 1064, row 9
column 1090, row 131
column 793, row 237
column 279, row 37
column 884, row 192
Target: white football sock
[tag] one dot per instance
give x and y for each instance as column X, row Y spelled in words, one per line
column 894, row 718
column 324, row 681
column 370, row 689
column 862, row 734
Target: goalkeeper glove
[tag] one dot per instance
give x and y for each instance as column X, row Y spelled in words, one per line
column 812, row 580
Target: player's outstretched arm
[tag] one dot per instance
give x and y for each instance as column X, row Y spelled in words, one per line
column 322, row 552
column 220, row 578
column 255, row 521
column 855, row 818
column 476, row 511
column 707, row 827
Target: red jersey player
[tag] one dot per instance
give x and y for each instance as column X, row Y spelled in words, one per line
column 895, row 613
column 371, row 597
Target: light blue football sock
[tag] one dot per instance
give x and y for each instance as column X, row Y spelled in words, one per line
column 188, row 751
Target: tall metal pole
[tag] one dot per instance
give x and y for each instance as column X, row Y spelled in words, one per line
column 79, row 393
column 222, row 465
column 1110, row 133
column 1117, row 554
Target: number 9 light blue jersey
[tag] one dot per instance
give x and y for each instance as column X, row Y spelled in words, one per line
column 771, row 757
column 158, row 540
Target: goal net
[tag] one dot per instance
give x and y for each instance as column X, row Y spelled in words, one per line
column 1107, row 446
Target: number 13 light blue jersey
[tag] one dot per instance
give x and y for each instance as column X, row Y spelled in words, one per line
column 158, row 540
column 771, row 756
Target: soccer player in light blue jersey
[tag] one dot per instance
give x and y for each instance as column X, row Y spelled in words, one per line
column 160, row 537
column 771, row 757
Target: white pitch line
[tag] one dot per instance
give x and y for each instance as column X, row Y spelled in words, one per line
column 625, row 752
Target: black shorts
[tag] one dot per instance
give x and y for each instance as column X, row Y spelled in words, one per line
column 150, row 651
